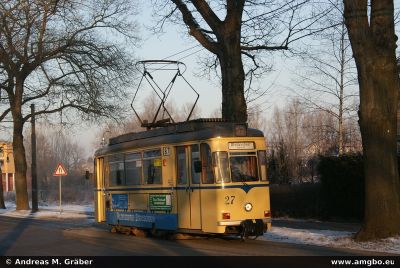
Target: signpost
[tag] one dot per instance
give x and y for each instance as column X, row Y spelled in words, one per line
column 59, row 172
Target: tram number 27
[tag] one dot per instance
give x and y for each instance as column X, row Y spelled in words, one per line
column 229, row 199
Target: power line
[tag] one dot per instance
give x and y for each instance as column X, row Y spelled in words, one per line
column 186, row 56
column 191, row 54
column 180, row 52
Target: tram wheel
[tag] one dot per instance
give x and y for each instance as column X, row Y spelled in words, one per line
column 138, row 232
column 159, row 233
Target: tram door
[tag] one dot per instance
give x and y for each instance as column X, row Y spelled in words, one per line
column 100, row 201
column 188, row 186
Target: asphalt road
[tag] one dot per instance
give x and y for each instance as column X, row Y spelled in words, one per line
column 38, row 237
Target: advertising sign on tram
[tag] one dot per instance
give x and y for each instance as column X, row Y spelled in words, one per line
column 160, row 202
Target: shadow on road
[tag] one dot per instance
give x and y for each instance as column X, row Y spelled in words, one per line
column 12, row 236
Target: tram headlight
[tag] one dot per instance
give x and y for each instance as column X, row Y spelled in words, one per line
column 248, row 207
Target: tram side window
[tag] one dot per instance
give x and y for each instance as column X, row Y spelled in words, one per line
column 152, row 167
column 116, row 174
column 262, row 159
column 195, row 159
column 221, row 167
column 133, row 168
column 207, row 175
column 181, row 176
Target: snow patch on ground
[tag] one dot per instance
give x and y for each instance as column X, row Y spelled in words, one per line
column 339, row 239
column 50, row 211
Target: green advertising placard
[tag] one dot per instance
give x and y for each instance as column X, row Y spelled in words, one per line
column 160, row 202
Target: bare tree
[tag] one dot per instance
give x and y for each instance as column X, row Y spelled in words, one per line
column 277, row 143
column 371, row 29
column 320, row 131
column 186, row 109
column 296, row 136
column 231, row 29
column 329, row 80
column 57, row 53
column 256, row 118
column 287, row 140
column 55, row 145
column 294, row 117
column 147, row 111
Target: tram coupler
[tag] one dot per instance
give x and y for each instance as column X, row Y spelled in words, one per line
column 253, row 228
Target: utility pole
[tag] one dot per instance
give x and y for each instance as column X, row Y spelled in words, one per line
column 35, row 206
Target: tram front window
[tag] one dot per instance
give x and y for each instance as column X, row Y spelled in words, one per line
column 243, row 167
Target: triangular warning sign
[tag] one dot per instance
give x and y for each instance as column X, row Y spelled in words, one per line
column 60, row 171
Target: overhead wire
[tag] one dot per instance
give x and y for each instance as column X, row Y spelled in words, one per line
column 180, row 52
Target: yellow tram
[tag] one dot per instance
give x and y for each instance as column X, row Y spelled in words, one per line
column 200, row 176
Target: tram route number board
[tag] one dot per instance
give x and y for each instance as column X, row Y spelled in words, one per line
column 166, row 151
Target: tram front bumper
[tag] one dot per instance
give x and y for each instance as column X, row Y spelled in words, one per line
column 237, row 223
column 252, row 226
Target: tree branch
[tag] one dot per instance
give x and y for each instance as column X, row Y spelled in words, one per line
column 195, row 29
column 207, row 14
column 250, row 48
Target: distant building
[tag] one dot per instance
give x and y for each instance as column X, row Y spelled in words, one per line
column 7, row 166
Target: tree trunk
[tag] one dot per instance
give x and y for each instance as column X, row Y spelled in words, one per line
column 227, row 47
column 2, row 205
column 234, row 107
column 21, row 188
column 378, row 129
column 374, row 45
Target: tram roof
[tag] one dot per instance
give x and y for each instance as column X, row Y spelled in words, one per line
column 198, row 129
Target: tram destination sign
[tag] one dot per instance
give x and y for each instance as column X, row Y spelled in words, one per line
column 160, row 202
column 241, row 145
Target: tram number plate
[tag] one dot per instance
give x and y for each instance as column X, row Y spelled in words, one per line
column 229, row 199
